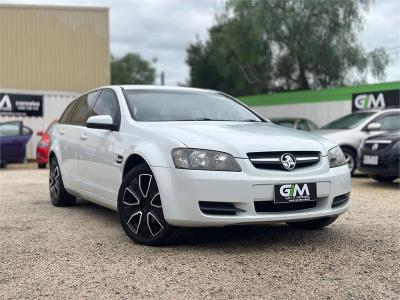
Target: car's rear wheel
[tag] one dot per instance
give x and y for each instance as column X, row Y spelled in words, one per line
column 58, row 195
column 351, row 159
column 41, row 166
column 315, row 224
column 383, row 178
column 3, row 165
column 140, row 208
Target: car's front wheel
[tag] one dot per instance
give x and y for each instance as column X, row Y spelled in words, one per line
column 140, row 208
column 315, row 224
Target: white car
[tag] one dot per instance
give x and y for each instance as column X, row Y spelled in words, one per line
column 167, row 157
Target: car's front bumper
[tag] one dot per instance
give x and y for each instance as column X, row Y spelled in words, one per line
column 388, row 163
column 182, row 190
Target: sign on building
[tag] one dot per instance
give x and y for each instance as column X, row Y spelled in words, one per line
column 21, row 105
column 375, row 100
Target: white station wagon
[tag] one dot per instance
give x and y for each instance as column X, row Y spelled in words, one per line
column 169, row 157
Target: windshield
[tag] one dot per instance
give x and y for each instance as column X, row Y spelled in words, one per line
column 349, row 121
column 157, row 106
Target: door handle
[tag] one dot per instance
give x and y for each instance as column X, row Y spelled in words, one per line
column 62, row 131
column 84, row 136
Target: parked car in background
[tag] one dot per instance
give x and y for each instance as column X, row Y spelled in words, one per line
column 42, row 149
column 295, row 123
column 379, row 157
column 349, row 131
column 13, row 139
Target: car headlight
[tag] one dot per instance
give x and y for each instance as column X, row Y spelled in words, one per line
column 336, row 157
column 396, row 145
column 198, row 159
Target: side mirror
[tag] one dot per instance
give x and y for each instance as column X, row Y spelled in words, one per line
column 101, row 122
column 40, row 133
column 374, row 126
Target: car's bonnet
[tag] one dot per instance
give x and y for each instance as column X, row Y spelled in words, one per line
column 340, row 136
column 238, row 138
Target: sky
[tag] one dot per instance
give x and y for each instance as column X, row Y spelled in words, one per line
column 163, row 29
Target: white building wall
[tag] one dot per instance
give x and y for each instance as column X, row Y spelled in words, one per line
column 54, row 104
column 319, row 112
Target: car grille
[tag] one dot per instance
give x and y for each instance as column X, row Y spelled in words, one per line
column 272, row 160
column 271, row 206
column 376, row 145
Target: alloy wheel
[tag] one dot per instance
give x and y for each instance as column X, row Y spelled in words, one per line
column 141, row 207
column 54, row 180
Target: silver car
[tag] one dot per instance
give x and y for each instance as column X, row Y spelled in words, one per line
column 349, row 131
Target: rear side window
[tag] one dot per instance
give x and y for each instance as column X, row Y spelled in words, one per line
column 26, row 130
column 67, row 113
column 10, row 129
column 81, row 110
column 107, row 104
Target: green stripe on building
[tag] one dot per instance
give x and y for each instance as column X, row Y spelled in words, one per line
column 326, row 95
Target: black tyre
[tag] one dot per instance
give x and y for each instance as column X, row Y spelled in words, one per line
column 41, row 166
column 384, row 178
column 3, row 165
column 315, row 224
column 351, row 158
column 58, row 195
column 140, row 209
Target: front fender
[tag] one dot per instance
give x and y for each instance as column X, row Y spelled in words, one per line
column 154, row 155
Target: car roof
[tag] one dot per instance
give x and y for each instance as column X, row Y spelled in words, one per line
column 165, row 88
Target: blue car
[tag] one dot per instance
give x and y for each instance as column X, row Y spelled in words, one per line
column 13, row 139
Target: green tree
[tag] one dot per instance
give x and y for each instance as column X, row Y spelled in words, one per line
column 271, row 45
column 132, row 69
